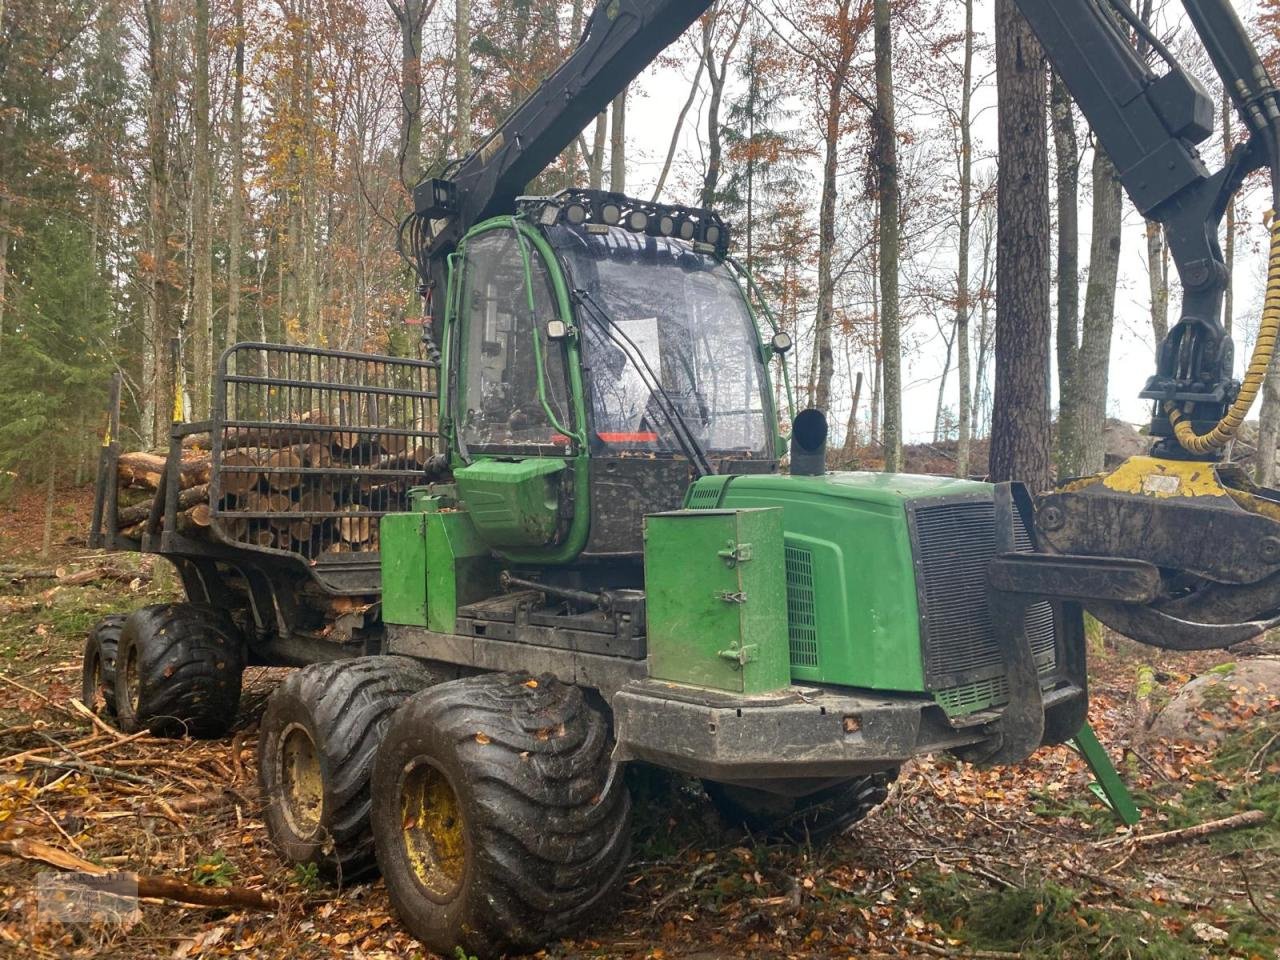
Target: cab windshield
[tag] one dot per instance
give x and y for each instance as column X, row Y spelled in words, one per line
column 672, row 319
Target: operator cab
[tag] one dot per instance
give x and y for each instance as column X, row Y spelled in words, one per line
column 602, row 356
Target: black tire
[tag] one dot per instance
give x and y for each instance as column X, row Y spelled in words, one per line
column 316, row 745
column 98, row 674
column 178, row 670
column 522, row 825
column 812, row 818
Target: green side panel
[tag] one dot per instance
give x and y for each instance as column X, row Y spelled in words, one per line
column 402, row 537
column 460, row 569
column 513, row 503
column 853, row 615
column 716, row 599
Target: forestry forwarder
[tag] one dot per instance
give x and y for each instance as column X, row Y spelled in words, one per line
column 609, row 566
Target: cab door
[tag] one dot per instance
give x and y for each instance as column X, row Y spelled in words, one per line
column 517, row 410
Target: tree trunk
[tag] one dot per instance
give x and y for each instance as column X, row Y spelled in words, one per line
column 235, row 200
column 711, row 177
column 595, row 173
column 46, row 537
column 462, row 70
column 1089, row 383
column 410, row 15
column 310, row 313
column 886, row 140
column 4, row 256
column 1229, row 223
column 201, row 203
column 851, row 428
column 618, row 143
column 1066, row 151
column 1020, row 418
column 1158, row 280
column 963, row 303
column 155, row 327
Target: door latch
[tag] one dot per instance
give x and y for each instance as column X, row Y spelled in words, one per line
column 728, row 597
column 741, row 655
column 735, row 553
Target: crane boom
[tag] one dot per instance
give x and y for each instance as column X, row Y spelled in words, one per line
column 621, row 38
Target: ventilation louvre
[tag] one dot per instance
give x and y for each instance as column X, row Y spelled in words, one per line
column 802, row 621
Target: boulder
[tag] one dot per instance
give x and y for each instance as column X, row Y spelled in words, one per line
column 1217, row 703
column 1121, row 441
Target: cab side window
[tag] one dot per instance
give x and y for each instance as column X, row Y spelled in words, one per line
column 502, row 338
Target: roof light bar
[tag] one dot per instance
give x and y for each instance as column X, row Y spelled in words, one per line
column 599, row 210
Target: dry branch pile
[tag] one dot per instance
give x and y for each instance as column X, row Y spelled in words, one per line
column 302, row 486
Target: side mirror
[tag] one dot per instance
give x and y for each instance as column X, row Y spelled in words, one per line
column 557, row 330
column 781, row 342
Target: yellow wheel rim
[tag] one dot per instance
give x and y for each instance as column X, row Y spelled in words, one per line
column 301, row 781
column 434, row 836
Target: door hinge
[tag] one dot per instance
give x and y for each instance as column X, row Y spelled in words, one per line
column 741, row 655
column 728, row 597
column 735, row 553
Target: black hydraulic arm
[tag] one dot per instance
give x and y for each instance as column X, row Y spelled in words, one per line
column 621, row 38
column 1150, row 124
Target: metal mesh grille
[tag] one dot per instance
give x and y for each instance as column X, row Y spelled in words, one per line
column 956, row 541
column 312, row 447
column 705, row 496
column 801, row 616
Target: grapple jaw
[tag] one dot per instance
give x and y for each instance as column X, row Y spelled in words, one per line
column 1209, row 534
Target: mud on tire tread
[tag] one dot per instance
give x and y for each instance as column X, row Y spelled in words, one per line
column 190, row 658
column 546, row 811
column 345, row 706
column 98, row 673
column 817, row 817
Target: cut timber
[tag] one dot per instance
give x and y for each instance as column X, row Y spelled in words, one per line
column 195, row 520
column 299, row 526
column 277, row 466
column 357, row 528
column 186, row 500
column 317, row 455
column 238, row 482
column 144, row 470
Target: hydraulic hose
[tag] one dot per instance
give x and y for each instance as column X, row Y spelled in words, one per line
column 1268, row 331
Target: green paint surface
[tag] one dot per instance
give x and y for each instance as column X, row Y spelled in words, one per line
column 402, row 537
column 513, row 503
column 716, row 599
column 854, row 618
column 460, row 569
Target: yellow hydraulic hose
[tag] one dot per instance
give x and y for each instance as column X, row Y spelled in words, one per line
column 1226, row 428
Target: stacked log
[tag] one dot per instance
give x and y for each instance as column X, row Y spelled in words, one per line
column 280, row 478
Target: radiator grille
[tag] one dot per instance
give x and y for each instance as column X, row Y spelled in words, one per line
column 955, row 542
column 801, row 615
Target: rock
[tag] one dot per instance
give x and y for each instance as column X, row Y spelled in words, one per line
column 1208, row 708
column 1121, row 441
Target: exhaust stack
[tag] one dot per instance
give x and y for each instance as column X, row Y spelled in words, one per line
column 809, row 444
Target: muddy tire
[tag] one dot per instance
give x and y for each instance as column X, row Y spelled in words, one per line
column 813, row 818
column 98, row 675
column 177, row 671
column 500, row 820
column 316, row 745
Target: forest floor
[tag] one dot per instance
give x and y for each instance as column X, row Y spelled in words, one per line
column 1020, row 862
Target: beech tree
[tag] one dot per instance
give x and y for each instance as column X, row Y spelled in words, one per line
column 1020, row 416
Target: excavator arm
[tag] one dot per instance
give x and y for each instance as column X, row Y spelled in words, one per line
column 621, row 38
column 1175, row 549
